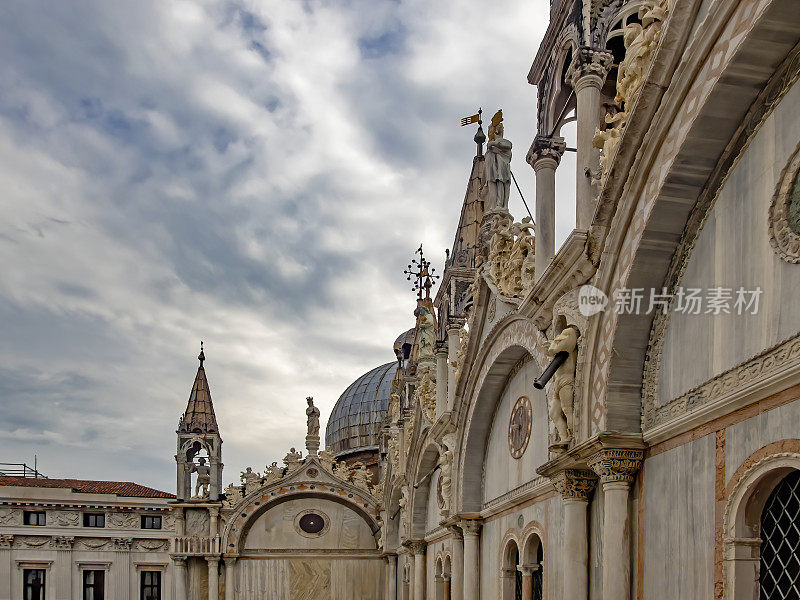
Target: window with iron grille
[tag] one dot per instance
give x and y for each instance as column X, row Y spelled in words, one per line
column 780, row 542
column 33, row 584
column 536, row 579
column 151, row 585
column 34, row 517
column 94, row 585
column 94, row 520
column 149, row 522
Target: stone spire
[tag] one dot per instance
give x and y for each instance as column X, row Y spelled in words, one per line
column 199, row 416
column 465, row 244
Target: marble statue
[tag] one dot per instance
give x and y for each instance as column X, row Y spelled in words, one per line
column 426, row 393
column 360, row 477
column 403, row 502
column 446, row 477
column 394, row 452
column 327, row 460
column 461, row 352
column 561, row 396
column 251, row 480
column 498, row 173
column 233, row 495
column 272, row 473
column 203, row 478
column 292, row 460
column 312, row 414
column 426, row 335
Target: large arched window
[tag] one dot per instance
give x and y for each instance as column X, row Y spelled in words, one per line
column 779, row 575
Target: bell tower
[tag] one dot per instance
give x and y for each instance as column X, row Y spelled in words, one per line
column 199, row 444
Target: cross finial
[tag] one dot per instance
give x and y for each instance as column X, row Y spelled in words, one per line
column 201, row 357
column 422, row 272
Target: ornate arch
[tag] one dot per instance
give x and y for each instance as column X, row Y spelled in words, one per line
column 423, row 475
column 648, row 224
column 509, row 342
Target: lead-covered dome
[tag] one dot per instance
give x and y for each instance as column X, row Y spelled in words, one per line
column 356, row 419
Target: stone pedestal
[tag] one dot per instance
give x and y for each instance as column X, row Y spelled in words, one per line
column 576, row 487
column 312, row 444
column 617, row 469
column 544, row 156
column 471, row 529
column 588, row 73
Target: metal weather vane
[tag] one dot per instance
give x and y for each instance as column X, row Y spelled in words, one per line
column 422, row 273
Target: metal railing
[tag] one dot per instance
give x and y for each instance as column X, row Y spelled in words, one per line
column 20, row 470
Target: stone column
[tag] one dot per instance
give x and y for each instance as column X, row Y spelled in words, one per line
column 181, row 591
column 213, row 577
column 446, row 590
column 418, row 548
column 6, row 544
column 391, row 577
column 180, row 522
column 457, row 565
column 63, row 566
column 617, row 469
column 215, row 487
column 588, row 73
column 438, row 587
column 230, row 564
column 471, row 529
column 213, row 513
column 544, row 156
column 527, row 581
column 507, row 582
column 453, row 343
column 442, row 379
column 575, row 487
column 121, row 569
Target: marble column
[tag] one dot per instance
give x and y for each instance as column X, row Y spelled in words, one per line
column 457, row 565
column 588, row 73
column 544, row 156
column 617, row 470
column 453, row 343
column 6, row 544
column 438, row 587
column 442, row 378
column 213, row 513
column 418, row 548
column 508, row 578
column 446, row 588
column 471, row 529
column 391, row 577
column 63, row 566
column 213, row 577
column 230, row 574
column 575, row 487
column 527, row 581
column 181, row 591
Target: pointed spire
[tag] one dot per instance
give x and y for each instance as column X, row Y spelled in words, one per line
column 199, row 415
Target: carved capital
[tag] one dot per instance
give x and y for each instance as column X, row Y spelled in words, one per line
column 6, row 540
column 415, row 546
column 179, row 561
column 122, row 544
column 230, row 561
column 455, row 531
column 589, row 68
column 546, row 151
column 617, row 465
column 470, row 526
column 575, row 484
column 212, row 561
column 62, row 542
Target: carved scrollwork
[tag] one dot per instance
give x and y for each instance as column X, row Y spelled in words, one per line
column 617, row 465
column 575, row 484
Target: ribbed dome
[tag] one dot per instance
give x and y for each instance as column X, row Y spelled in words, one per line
column 355, row 421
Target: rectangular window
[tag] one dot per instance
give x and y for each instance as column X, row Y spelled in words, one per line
column 151, row 522
column 35, row 517
column 94, row 520
column 151, row 585
column 94, row 585
column 33, row 584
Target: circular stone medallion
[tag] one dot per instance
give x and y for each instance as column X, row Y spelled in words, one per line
column 312, row 523
column 519, row 427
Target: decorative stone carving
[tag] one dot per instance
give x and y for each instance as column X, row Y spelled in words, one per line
column 65, row 518
column 394, row 451
column 470, row 526
column 426, row 335
column 292, row 461
column 327, row 460
column 560, row 398
column 575, row 484
column 403, row 501
column 360, row 477
column 461, row 352
column 425, row 392
column 615, row 465
column 150, row 545
column 784, row 212
column 544, row 147
column 92, row 544
column 509, row 268
column 417, row 546
column 6, row 540
column 589, row 63
column 233, row 495
column 62, row 542
column 122, row 544
column 497, row 166
column 10, row 516
column 312, row 421
column 33, row 542
column 272, row 473
column 641, row 41
column 519, row 427
column 123, row 520
column 445, row 482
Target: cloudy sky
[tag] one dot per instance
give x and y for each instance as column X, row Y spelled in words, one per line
column 252, row 173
